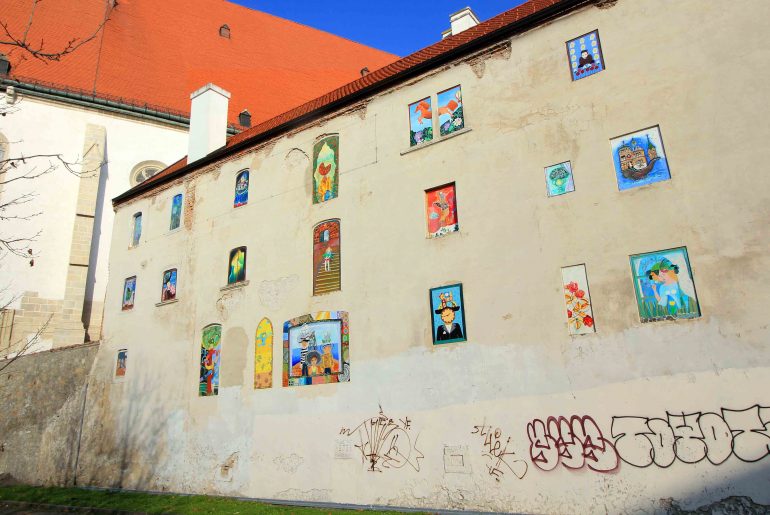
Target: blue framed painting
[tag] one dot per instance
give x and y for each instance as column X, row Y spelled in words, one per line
column 176, row 212
column 448, row 314
column 241, row 189
column 558, row 179
column 585, row 55
column 639, row 158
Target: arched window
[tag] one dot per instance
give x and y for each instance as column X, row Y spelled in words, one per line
column 326, row 257
column 211, row 348
column 176, row 212
column 144, row 170
column 241, row 188
column 136, row 229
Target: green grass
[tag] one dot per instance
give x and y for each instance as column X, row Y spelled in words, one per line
column 152, row 503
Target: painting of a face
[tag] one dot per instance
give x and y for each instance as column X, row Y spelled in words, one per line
column 316, row 350
column 664, row 286
column 585, row 55
column 639, row 158
column 448, row 314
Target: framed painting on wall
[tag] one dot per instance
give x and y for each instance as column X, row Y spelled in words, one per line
column 129, row 293
column 420, row 122
column 263, row 355
column 441, row 210
column 585, row 55
column 558, row 179
column 639, row 158
column 580, row 314
column 316, row 349
column 236, row 267
column 169, row 285
column 327, row 262
column 120, row 366
column 448, row 314
column 176, row 212
column 664, row 286
column 450, row 111
column 211, row 341
column 326, row 175
column 241, row 189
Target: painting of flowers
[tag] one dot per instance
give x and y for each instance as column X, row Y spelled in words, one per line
column 558, row 179
column 580, row 315
column 450, row 111
column 420, row 122
column 664, row 286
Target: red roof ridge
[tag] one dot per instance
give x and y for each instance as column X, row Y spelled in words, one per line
column 444, row 48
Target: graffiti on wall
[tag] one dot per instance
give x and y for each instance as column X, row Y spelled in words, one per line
column 316, row 350
column 420, row 122
column 575, row 442
column 450, row 111
column 580, row 315
column 585, row 55
column 558, row 179
column 496, row 449
column 326, row 173
column 129, row 293
column 693, row 437
column 639, row 158
column 263, row 355
column 386, row 443
column 448, row 314
column 236, row 266
column 664, row 286
column 211, row 340
column 120, row 367
column 327, row 263
column 441, row 210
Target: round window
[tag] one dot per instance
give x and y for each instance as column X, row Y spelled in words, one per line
column 145, row 170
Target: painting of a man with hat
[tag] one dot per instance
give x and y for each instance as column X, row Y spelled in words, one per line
column 664, row 285
column 448, row 314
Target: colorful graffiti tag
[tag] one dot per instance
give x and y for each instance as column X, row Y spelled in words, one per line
column 210, row 358
column 316, row 349
column 326, row 172
column 263, row 355
column 575, row 442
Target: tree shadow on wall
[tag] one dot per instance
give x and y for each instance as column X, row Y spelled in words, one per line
column 123, row 438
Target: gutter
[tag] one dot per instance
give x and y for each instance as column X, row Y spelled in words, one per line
column 103, row 104
column 531, row 21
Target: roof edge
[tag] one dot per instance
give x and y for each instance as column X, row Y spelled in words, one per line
column 536, row 18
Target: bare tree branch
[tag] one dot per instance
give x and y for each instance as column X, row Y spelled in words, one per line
column 39, row 50
column 26, row 347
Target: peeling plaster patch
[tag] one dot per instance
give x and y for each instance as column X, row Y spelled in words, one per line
column 234, row 358
column 734, row 505
column 296, row 161
column 272, row 294
column 226, row 468
column 314, row 495
column 606, row 4
column 478, row 62
column 456, row 459
column 343, row 449
column 228, row 301
column 290, row 463
column 189, row 204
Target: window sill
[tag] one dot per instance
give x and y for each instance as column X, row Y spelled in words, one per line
column 163, row 303
column 234, row 286
column 434, row 141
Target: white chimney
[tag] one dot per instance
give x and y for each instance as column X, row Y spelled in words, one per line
column 462, row 20
column 208, row 121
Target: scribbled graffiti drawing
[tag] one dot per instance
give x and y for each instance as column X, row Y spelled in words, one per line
column 327, row 260
column 129, row 293
column 585, row 55
column 326, row 171
column 168, row 291
column 664, row 285
column 639, row 158
column 499, row 457
column 263, row 355
column 316, row 349
column 420, row 122
column 241, row 189
column 448, row 314
column 386, row 443
column 176, row 212
column 575, row 442
column 120, row 368
column 450, row 111
column 558, row 179
column 693, row 437
column 580, row 316
column 211, row 340
column 441, row 210
column 236, row 267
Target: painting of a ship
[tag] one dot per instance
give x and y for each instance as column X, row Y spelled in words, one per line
column 639, row 158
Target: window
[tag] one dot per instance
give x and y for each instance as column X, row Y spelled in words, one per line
column 136, row 230
column 236, row 268
column 441, row 210
column 168, row 291
column 129, row 293
column 326, row 174
column 241, row 189
column 326, row 257
column 176, row 212
column 450, row 116
column 144, row 171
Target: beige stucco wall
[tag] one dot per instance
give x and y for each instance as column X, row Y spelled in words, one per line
column 664, row 66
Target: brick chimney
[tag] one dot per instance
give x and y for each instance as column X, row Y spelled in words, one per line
column 208, row 121
column 462, row 20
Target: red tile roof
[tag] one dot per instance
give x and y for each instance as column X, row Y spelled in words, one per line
column 518, row 19
column 158, row 52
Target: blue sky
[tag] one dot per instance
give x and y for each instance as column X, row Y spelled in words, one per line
column 398, row 26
